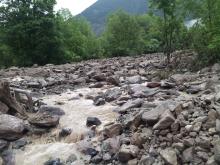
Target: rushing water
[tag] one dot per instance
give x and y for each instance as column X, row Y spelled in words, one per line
column 77, row 109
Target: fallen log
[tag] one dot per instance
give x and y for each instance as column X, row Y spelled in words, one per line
column 9, row 100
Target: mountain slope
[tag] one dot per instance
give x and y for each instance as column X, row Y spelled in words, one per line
column 99, row 11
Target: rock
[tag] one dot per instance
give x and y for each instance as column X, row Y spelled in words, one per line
column 96, row 159
column 139, row 139
column 8, row 157
column 127, row 152
column 218, row 125
column 34, row 85
column 152, row 116
column 99, row 77
column 165, row 122
column 169, row 155
column 3, row 108
column 93, row 121
column 211, row 161
column 65, row 132
column 106, row 157
column 3, row 144
column 133, row 162
column 72, row 158
column 97, row 85
column 188, row 155
column 11, row 128
column 182, row 78
column 216, row 68
column 130, row 104
column 112, row 94
column 114, row 80
column 51, row 110
column 44, row 120
column 197, row 126
column 54, row 162
column 99, row 101
column 217, row 151
column 153, row 84
column 147, row 160
column 134, row 80
column 19, row 143
column 113, row 130
column 91, row 151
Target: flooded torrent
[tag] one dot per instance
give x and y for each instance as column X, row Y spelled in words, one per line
column 77, row 109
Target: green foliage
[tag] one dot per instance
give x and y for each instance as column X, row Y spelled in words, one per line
column 123, row 35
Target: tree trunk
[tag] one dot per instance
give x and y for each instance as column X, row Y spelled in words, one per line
column 7, row 99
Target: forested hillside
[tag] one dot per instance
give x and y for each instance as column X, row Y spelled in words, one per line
column 33, row 33
column 97, row 13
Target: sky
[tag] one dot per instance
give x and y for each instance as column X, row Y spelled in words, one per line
column 75, row 6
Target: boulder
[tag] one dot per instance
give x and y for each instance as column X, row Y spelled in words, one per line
column 11, row 128
column 114, row 80
column 127, row 152
column 44, row 120
column 93, row 121
column 188, row 155
column 51, row 110
column 169, row 156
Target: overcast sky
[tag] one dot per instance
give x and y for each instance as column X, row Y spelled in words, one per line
column 75, row 6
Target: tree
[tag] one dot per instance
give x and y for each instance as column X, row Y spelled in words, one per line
column 31, row 32
column 171, row 20
column 122, row 35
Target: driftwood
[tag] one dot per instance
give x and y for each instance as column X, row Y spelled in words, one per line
column 9, row 100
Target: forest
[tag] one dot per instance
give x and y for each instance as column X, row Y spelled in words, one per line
column 31, row 32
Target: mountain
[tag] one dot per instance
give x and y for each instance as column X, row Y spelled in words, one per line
column 99, row 11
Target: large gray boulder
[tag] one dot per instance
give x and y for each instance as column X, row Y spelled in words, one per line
column 11, row 128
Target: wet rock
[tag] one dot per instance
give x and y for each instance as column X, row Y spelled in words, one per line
column 112, row 94
column 72, row 158
column 65, row 132
column 50, row 110
column 54, row 162
column 11, row 128
column 44, row 120
column 99, row 101
column 3, row 108
column 113, row 130
column 166, row 121
column 93, row 121
column 169, row 155
column 127, row 152
column 19, row 143
column 91, row 151
column 130, row 104
column 134, row 80
column 8, row 157
column 3, row 144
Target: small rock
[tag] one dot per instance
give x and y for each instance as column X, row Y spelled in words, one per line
column 165, row 122
column 188, row 155
column 3, row 108
column 217, row 151
column 3, row 144
column 169, row 155
column 54, row 162
column 127, row 152
column 113, row 130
